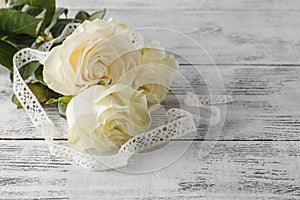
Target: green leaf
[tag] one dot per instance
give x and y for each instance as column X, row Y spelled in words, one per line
column 42, row 93
column 34, row 11
column 7, row 52
column 59, row 26
column 62, row 100
column 16, row 22
column 3, row 35
column 98, row 15
column 81, row 16
column 16, row 7
column 38, row 74
column 47, row 4
column 58, row 13
column 16, row 101
column 62, row 104
column 20, row 41
column 27, row 70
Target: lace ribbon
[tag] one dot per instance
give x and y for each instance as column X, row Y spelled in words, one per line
column 179, row 122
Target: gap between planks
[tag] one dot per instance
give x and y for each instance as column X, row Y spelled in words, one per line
column 237, row 170
column 177, row 140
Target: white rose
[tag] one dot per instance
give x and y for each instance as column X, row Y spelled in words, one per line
column 82, row 59
column 149, row 69
column 2, row 4
column 103, row 50
column 105, row 117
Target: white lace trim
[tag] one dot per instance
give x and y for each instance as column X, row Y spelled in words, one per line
column 179, row 122
column 68, row 30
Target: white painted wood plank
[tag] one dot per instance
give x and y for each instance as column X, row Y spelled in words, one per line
column 232, row 170
column 233, row 31
column 188, row 4
column 267, row 101
column 240, row 36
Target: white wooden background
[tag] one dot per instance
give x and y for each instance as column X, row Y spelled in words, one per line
column 256, row 45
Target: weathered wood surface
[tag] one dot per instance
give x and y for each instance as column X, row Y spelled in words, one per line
column 266, row 104
column 253, row 32
column 256, row 45
column 182, row 5
column 232, row 170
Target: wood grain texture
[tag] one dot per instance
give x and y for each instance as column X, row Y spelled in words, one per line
column 240, row 32
column 256, row 45
column 189, row 4
column 232, row 170
column 266, row 104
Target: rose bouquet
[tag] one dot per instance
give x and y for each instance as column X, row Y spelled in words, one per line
column 112, row 84
column 105, row 80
